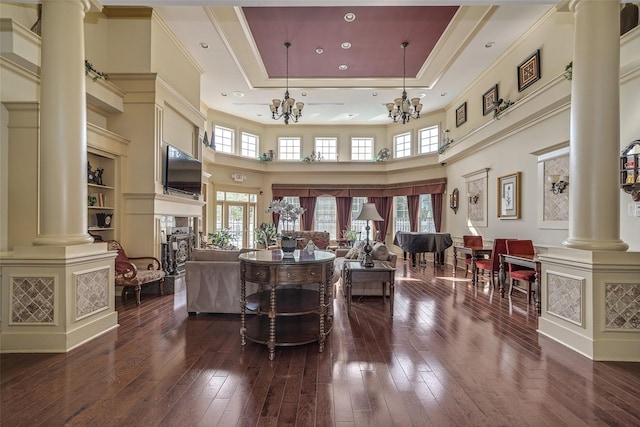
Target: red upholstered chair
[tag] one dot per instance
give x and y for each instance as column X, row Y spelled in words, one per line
column 518, row 273
column 492, row 265
column 470, row 241
column 129, row 276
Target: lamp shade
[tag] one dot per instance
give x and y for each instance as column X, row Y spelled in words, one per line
column 369, row 212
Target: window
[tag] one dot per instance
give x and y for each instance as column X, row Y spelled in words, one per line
column 361, row 225
column 401, row 214
column 362, row 149
column 289, row 148
column 223, row 138
column 248, row 145
column 325, row 215
column 428, row 139
column 237, row 212
column 402, row 145
column 327, row 148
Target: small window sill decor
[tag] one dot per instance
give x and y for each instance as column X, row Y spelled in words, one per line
column 568, row 71
column 95, row 74
column 264, row 158
column 383, row 155
column 500, row 107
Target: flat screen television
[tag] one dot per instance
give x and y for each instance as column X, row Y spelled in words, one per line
column 182, row 172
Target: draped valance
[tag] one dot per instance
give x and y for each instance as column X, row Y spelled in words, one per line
column 432, row 186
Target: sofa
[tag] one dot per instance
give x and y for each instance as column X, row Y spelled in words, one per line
column 213, row 281
column 380, row 252
column 321, row 239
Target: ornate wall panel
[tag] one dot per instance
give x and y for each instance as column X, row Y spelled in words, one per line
column 92, row 292
column 32, row 300
column 565, row 296
column 622, row 306
column 556, row 206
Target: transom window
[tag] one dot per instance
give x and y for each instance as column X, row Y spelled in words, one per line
column 289, row 148
column 248, row 145
column 223, row 138
column 402, row 145
column 362, row 149
column 327, row 148
column 428, row 139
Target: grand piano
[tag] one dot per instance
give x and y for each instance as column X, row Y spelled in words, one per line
column 416, row 243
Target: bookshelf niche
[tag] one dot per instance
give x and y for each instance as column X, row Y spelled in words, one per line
column 101, row 196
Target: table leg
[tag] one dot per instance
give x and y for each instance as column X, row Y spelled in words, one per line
column 501, row 276
column 348, row 288
column 536, row 289
column 391, row 291
column 272, row 324
column 455, row 260
column 243, row 310
column 413, row 259
column 474, row 271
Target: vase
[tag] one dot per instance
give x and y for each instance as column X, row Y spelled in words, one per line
column 288, row 245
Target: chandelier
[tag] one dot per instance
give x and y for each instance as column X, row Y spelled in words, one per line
column 402, row 108
column 288, row 110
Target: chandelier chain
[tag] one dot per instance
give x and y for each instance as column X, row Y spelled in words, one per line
column 290, row 109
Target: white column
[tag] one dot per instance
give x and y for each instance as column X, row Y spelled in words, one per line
column 63, row 137
column 594, row 211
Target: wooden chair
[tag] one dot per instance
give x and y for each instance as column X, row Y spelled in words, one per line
column 518, row 273
column 470, row 241
column 492, row 265
column 129, row 276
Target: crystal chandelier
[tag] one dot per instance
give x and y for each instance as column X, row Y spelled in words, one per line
column 402, row 108
column 288, row 110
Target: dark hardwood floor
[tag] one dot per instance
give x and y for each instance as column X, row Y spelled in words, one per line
column 453, row 355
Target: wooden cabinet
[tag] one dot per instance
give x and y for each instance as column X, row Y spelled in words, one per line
column 630, row 170
column 101, row 196
column 294, row 303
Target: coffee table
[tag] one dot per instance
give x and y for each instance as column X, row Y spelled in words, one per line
column 355, row 272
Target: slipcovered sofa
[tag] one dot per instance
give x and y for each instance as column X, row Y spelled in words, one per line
column 213, row 281
column 380, row 252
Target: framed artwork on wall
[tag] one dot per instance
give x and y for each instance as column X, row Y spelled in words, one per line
column 509, row 196
column 489, row 100
column 529, row 71
column 461, row 115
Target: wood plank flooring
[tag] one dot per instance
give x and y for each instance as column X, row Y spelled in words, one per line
column 453, row 355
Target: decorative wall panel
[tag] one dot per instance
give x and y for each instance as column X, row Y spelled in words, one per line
column 32, row 300
column 92, row 292
column 622, row 306
column 565, row 295
column 556, row 206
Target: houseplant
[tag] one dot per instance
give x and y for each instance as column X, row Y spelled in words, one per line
column 222, row 239
column 350, row 235
column 266, row 234
column 289, row 214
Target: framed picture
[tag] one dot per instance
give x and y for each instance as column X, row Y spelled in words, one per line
column 509, row 196
column 529, row 71
column 489, row 99
column 461, row 115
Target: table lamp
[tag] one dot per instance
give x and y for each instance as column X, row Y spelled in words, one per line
column 368, row 213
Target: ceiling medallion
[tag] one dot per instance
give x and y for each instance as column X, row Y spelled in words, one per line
column 402, row 108
column 288, row 109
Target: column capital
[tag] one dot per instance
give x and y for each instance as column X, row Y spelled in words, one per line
column 86, row 5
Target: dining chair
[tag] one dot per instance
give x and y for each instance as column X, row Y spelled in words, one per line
column 518, row 273
column 492, row 265
column 468, row 242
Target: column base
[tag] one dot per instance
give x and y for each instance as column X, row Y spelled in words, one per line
column 590, row 302
column 596, row 245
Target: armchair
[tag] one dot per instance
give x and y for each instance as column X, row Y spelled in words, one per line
column 129, row 276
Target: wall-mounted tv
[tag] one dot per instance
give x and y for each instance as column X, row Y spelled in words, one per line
column 182, row 172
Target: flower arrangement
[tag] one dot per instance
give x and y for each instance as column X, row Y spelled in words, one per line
column 289, row 213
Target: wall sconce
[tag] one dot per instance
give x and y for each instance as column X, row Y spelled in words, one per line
column 453, row 200
column 473, row 198
column 558, row 183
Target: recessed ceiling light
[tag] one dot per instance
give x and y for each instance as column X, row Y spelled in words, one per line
column 443, row 94
column 422, row 95
column 346, row 45
column 342, row 67
column 350, row 17
column 204, row 45
column 304, row 93
column 319, row 50
column 374, row 94
column 223, row 94
column 489, row 44
column 238, row 94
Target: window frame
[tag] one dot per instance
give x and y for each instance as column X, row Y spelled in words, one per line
column 297, row 139
column 371, row 149
column 220, row 141
column 433, row 140
column 406, row 141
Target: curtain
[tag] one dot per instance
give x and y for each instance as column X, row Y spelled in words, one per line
column 413, row 205
column 343, row 208
column 383, row 206
column 436, row 207
column 309, row 204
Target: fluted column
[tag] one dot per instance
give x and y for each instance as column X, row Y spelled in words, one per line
column 63, row 135
column 594, row 211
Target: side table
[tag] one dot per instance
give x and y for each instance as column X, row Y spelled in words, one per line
column 355, row 272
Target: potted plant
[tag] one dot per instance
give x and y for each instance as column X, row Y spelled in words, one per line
column 266, row 235
column 351, row 236
column 289, row 214
column 222, row 239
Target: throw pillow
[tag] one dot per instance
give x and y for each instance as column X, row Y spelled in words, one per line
column 354, row 252
column 380, row 252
